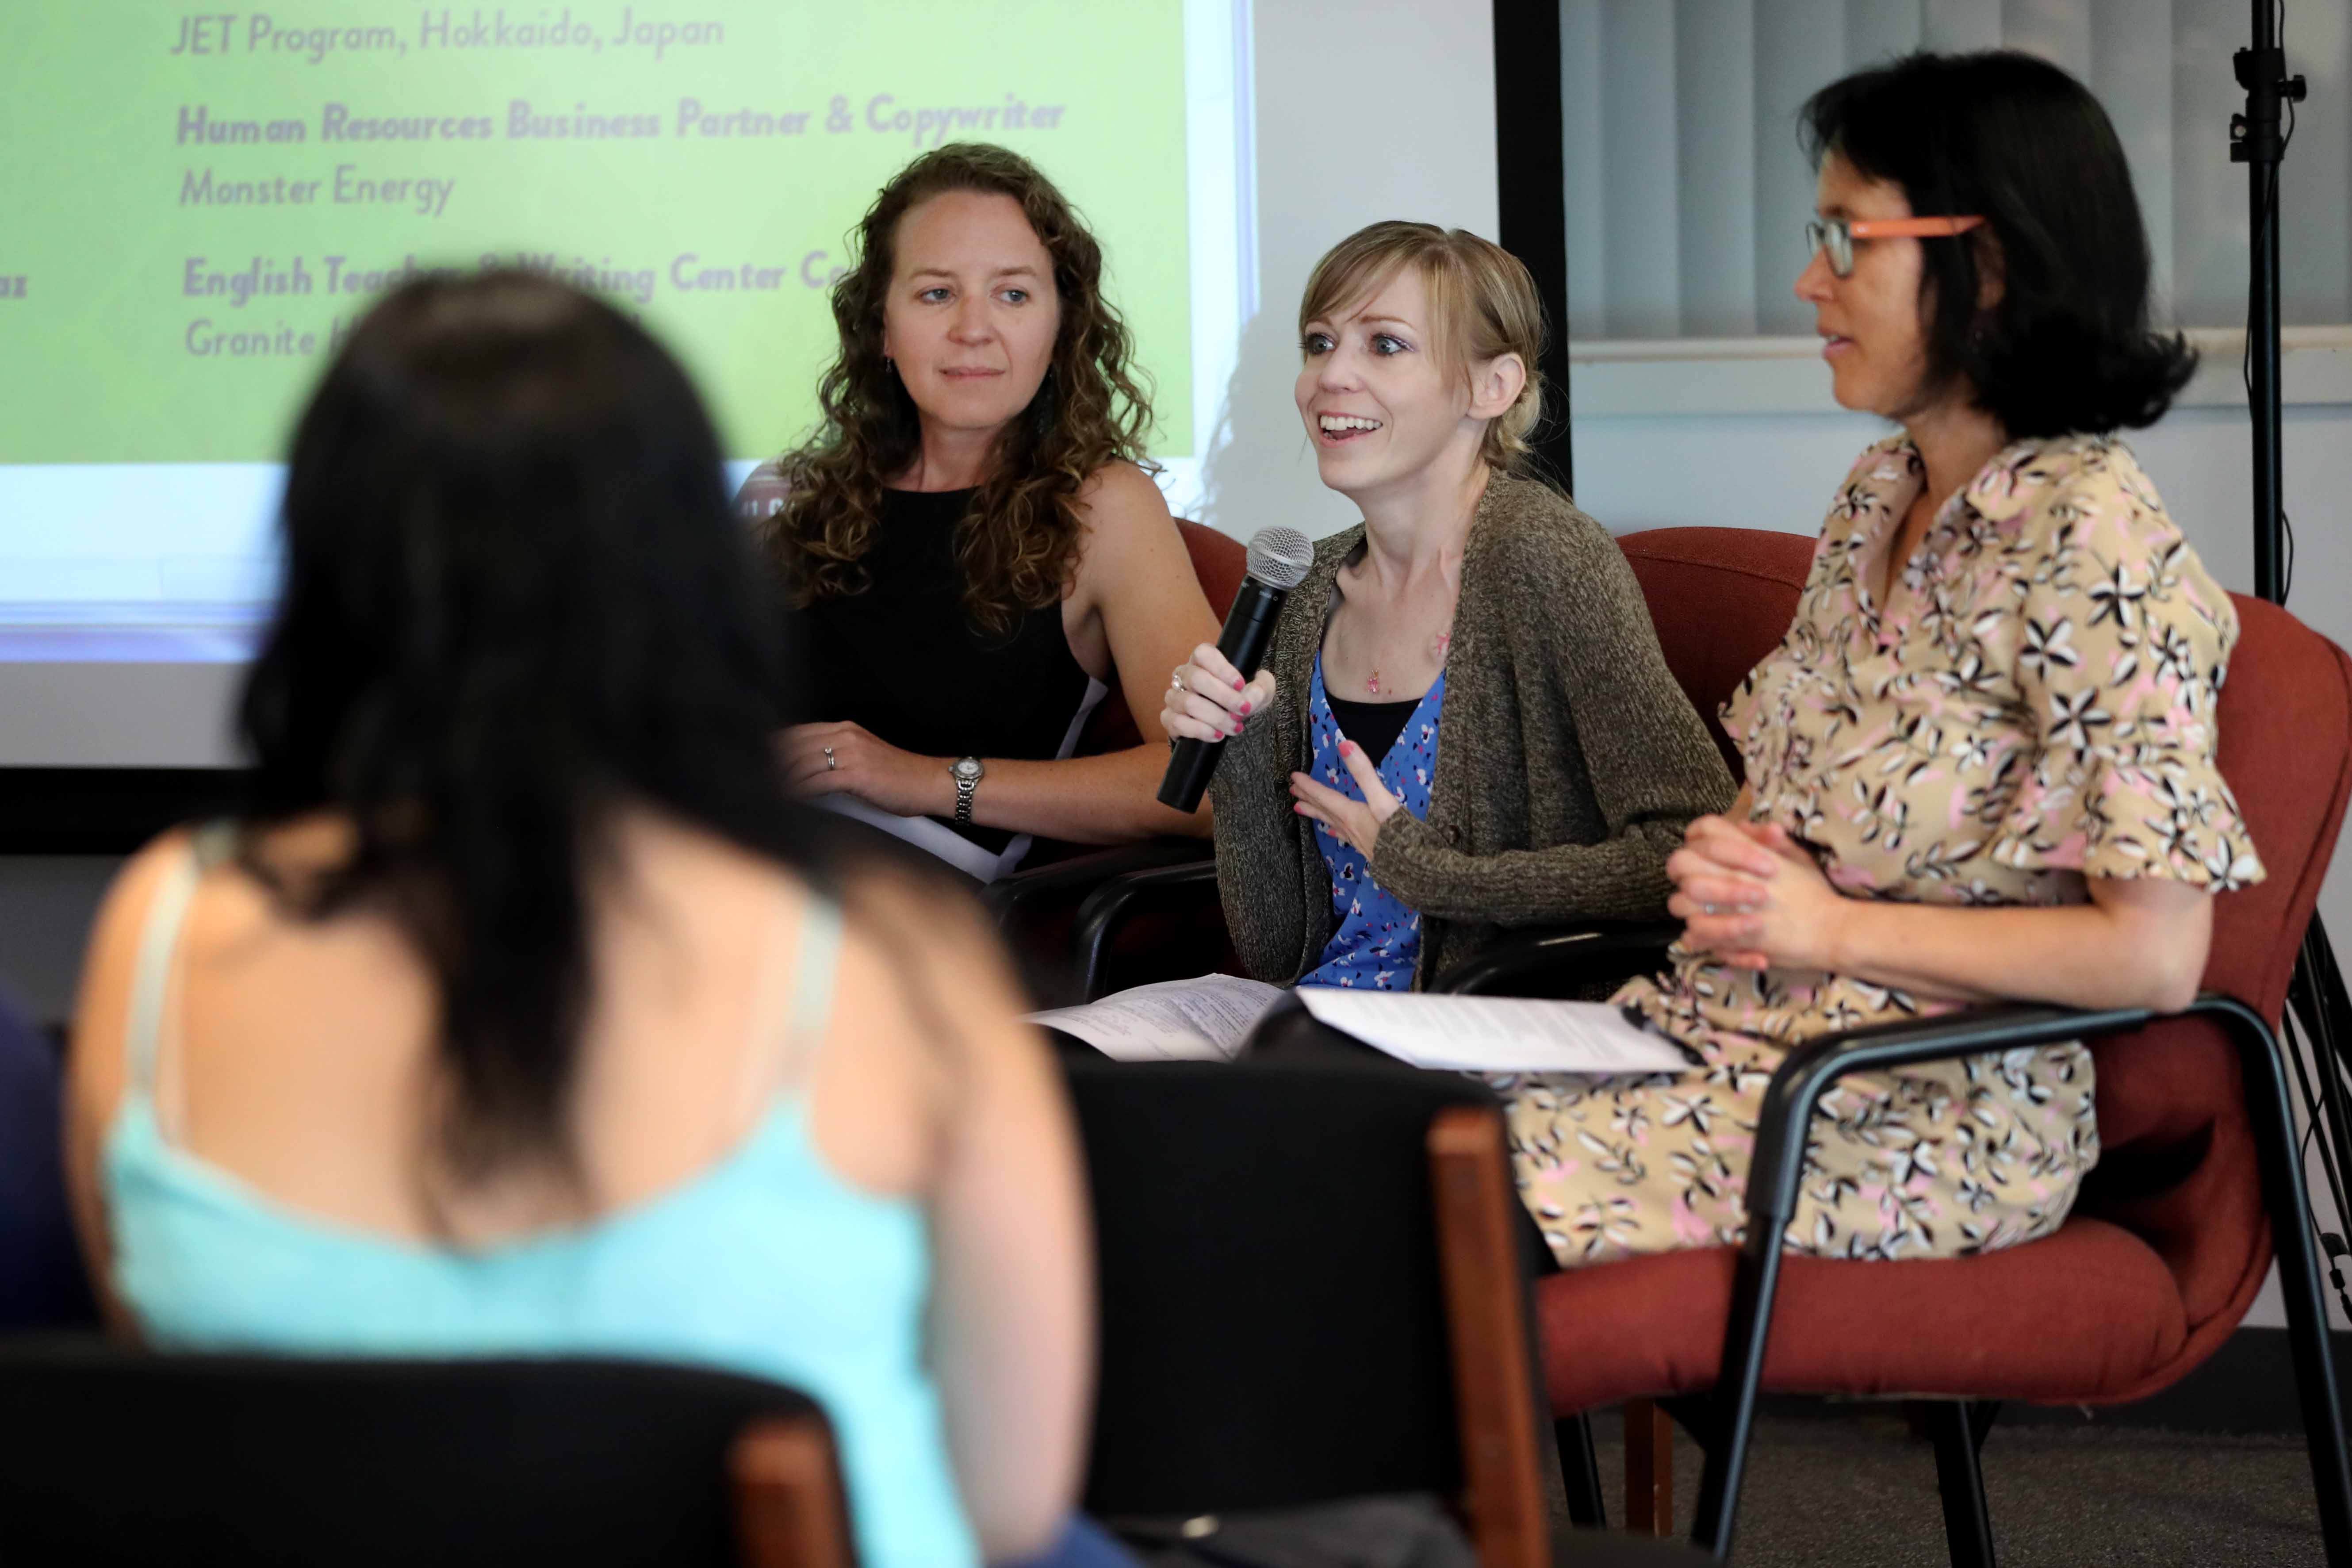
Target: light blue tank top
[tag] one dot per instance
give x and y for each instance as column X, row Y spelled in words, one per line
column 766, row 1264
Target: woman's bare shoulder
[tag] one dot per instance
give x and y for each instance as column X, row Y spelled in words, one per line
column 96, row 1066
column 933, row 940
column 1131, row 541
column 122, row 913
column 1121, row 492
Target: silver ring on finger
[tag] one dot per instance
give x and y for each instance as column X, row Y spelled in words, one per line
column 831, row 762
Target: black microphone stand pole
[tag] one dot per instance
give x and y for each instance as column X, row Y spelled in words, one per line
column 2258, row 140
column 2317, row 998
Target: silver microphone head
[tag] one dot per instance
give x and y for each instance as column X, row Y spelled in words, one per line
column 1279, row 557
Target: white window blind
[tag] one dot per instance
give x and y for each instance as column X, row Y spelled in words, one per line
column 1686, row 186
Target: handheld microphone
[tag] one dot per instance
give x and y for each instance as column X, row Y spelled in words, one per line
column 1278, row 559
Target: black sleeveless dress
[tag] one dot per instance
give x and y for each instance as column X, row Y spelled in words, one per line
column 904, row 660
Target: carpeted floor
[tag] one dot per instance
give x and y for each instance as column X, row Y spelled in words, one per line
column 1852, row 1485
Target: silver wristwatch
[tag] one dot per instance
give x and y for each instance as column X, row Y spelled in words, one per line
column 967, row 772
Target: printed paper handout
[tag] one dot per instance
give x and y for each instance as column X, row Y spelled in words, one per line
column 1177, row 1020
column 1496, row 1034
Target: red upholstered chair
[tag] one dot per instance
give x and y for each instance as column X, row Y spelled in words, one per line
column 1721, row 598
column 2198, row 1186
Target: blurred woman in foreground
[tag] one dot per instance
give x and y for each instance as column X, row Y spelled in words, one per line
column 519, row 1014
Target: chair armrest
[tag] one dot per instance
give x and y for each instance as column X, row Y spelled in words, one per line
column 1120, row 900
column 1560, row 961
column 1807, row 1073
column 1810, row 1069
column 1009, row 900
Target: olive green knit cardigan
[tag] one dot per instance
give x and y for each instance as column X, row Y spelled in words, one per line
column 1568, row 758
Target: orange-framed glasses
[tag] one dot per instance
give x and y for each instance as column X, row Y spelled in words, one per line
column 1836, row 235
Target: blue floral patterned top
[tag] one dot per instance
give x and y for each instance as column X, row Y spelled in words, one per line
column 1375, row 939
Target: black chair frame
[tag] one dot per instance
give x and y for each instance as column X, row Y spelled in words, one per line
column 1123, row 898
column 1036, row 908
column 1030, row 892
column 1725, row 1420
column 1560, row 961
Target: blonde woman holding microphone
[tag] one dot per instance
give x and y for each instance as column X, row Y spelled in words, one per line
column 1464, row 722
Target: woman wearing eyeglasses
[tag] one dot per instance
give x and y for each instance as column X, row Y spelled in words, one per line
column 1981, row 766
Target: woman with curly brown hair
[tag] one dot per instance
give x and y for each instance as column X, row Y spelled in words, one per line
column 972, row 533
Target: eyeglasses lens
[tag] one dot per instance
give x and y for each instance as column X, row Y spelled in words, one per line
column 1833, row 237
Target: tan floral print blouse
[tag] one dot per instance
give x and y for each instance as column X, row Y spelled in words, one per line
column 2036, row 707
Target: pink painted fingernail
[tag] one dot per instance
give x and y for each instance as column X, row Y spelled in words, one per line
column 1239, row 685
column 1245, row 707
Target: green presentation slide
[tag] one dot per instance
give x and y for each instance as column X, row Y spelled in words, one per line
column 200, row 205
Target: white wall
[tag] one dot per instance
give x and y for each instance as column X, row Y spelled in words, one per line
column 1383, row 108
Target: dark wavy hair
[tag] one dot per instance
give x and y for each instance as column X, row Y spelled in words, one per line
column 1017, row 545
column 2068, row 346
column 514, row 597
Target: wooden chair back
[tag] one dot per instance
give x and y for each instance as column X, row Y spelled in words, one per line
column 113, row 1454
column 1309, row 1290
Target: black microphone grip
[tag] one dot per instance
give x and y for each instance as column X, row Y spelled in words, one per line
column 1248, row 629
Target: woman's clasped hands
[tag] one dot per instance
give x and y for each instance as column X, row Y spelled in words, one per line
column 1754, row 897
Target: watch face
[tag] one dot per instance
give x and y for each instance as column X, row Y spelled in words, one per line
column 966, row 768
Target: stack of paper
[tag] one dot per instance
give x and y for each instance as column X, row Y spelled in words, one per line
column 1207, row 1020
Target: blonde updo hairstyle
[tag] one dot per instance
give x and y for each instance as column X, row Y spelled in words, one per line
column 1481, row 302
